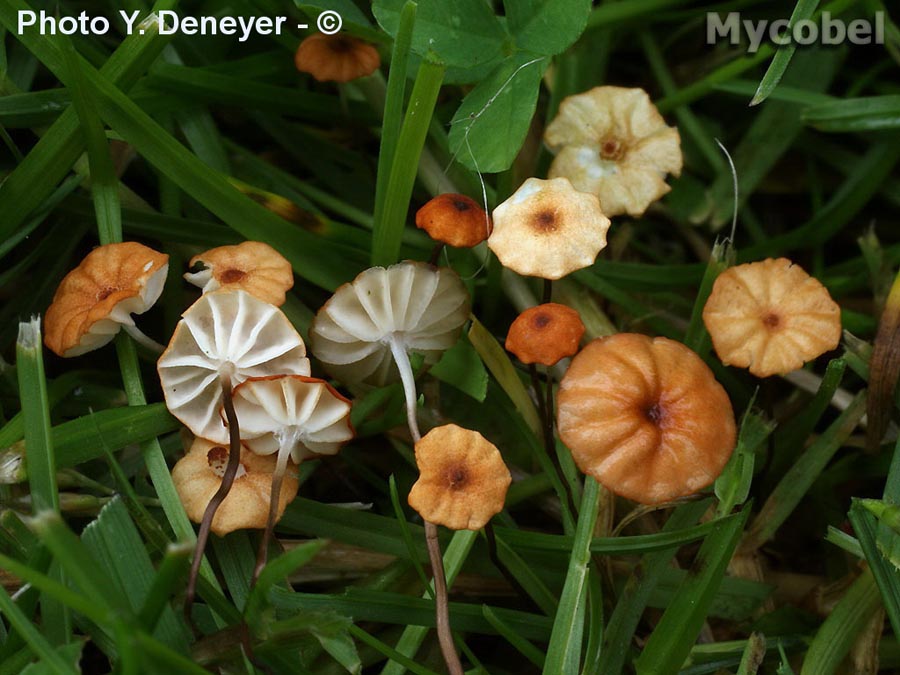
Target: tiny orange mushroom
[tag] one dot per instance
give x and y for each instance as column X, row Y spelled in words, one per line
column 454, row 219
column 645, row 417
column 336, row 58
column 250, row 266
column 462, row 478
column 771, row 317
column 545, row 334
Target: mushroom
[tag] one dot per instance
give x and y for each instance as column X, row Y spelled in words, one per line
column 548, row 229
column 462, row 478
column 363, row 333
column 645, row 417
column 612, row 142
column 294, row 416
column 198, row 475
column 545, row 334
column 770, row 317
column 96, row 299
column 251, row 266
column 454, row 219
column 336, row 58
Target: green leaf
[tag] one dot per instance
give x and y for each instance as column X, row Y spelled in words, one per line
column 462, row 367
column 856, row 114
column 51, row 657
column 732, row 487
column 492, row 122
column 884, row 571
column 803, row 10
column 342, row 649
column 458, row 32
column 71, row 653
column 546, row 26
column 276, row 570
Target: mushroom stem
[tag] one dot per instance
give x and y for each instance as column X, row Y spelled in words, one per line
column 548, row 291
column 401, row 358
column 142, row 339
column 436, row 254
column 234, row 461
column 441, row 602
column 545, row 409
column 284, row 453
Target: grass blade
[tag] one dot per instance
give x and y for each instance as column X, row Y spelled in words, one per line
column 802, row 10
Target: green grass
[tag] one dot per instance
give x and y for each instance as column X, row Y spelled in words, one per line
column 146, row 137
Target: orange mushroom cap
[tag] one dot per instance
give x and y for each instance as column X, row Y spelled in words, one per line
column 199, row 473
column 250, row 266
column 545, row 334
column 99, row 296
column 645, row 417
column 463, row 480
column 454, row 219
column 770, row 317
column 336, row 58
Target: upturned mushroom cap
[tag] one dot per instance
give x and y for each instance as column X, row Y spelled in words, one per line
column 645, row 417
column 771, row 317
column 250, row 266
column 548, row 229
column 612, row 142
column 199, row 473
column 462, row 478
column 336, row 58
column 420, row 306
column 304, row 411
column 545, row 334
column 454, row 219
column 224, row 333
column 99, row 296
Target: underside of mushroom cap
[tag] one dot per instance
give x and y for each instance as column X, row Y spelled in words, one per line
column 251, row 266
column 304, row 411
column 99, row 296
column 420, row 306
column 225, row 334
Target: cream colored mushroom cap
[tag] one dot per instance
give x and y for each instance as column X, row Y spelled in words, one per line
column 227, row 333
column 548, row 229
column 198, row 475
column 612, row 142
column 250, row 266
column 98, row 297
column 771, row 317
column 421, row 306
column 463, row 480
column 304, row 411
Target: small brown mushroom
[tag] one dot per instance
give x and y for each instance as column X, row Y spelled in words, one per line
column 336, row 58
column 770, row 317
column 545, row 334
column 645, row 417
column 463, row 480
column 251, row 266
column 454, row 219
column 198, row 475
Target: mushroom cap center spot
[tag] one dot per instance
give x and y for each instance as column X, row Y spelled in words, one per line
column 771, row 320
column 542, row 320
column 545, row 221
column 461, row 206
column 611, row 149
column 457, row 477
column 233, row 275
column 105, row 293
column 654, row 413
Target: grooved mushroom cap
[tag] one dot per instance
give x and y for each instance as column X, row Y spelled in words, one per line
column 99, row 296
column 199, row 473
column 548, row 229
column 420, row 306
column 612, row 142
column 545, row 334
column 251, row 266
column 336, row 58
column 224, row 333
column 454, row 219
column 645, row 417
column 771, row 317
column 307, row 413
column 462, row 478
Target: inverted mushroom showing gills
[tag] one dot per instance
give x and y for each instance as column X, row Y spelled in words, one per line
column 251, row 266
column 771, row 317
column 96, row 299
column 645, row 417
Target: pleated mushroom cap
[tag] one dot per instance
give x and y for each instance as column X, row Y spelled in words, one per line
column 771, row 317
column 307, row 412
column 224, row 333
column 645, row 417
column 548, row 229
column 98, row 297
column 199, row 473
column 422, row 307
column 462, row 478
column 250, row 266
column 545, row 334
column 336, row 58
